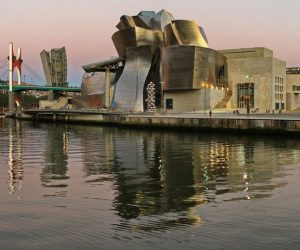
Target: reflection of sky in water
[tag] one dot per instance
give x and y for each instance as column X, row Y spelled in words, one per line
column 123, row 183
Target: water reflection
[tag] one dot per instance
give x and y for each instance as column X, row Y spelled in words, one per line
column 170, row 176
column 54, row 172
column 160, row 180
column 15, row 164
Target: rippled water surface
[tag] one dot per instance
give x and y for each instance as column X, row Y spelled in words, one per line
column 88, row 187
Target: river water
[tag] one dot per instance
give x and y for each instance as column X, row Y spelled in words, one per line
column 91, row 187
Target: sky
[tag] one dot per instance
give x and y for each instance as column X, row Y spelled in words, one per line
column 85, row 28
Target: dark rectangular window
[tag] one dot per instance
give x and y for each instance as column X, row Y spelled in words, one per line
column 169, row 103
column 245, row 94
column 276, row 105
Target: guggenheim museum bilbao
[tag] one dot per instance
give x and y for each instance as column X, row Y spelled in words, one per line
column 168, row 63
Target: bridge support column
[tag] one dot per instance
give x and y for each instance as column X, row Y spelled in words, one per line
column 11, row 102
column 13, row 62
column 50, row 96
column 107, row 87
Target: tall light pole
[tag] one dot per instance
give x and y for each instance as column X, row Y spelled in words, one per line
column 248, row 92
column 162, row 96
column 280, row 107
column 205, row 99
column 10, row 75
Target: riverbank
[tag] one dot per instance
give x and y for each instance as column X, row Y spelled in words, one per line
column 257, row 123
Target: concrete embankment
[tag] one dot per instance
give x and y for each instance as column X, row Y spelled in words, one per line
column 252, row 123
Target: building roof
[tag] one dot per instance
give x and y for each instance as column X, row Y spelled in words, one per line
column 247, row 52
column 113, row 64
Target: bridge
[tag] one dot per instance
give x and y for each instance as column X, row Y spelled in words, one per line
column 20, row 88
column 14, row 90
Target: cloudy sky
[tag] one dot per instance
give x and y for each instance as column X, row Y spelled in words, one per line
column 85, row 27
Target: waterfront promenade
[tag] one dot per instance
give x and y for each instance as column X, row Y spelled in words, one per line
column 258, row 122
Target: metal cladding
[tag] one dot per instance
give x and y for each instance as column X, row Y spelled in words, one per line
column 184, row 32
column 138, row 40
column 161, row 19
column 94, row 83
column 156, row 48
column 129, row 91
column 135, row 37
column 113, row 64
column 191, row 67
column 147, row 20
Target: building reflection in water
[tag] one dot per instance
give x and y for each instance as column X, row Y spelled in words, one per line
column 99, row 157
column 15, row 164
column 163, row 179
column 54, row 173
column 172, row 175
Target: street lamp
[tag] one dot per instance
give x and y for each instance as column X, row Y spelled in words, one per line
column 162, row 96
column 281, row 100
column 248, row 93
column 204, row 86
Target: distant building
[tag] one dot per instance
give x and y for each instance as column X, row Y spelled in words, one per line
column 292, row 88
column 55, row 67
column 256, row 76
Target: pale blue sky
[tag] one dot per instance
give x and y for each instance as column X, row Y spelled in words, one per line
column 85, row 27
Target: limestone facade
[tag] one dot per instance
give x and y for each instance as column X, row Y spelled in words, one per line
column 293, row 88
column 199, row 100
column 255, row 74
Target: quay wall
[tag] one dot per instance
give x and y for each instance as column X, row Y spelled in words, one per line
column 243, row 123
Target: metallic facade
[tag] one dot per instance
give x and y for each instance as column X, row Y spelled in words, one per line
column 192, row 67
column 156, row 48
column 129, row 91
column 138, row 40
column 93, row 83
column 98, row 82
column 184, row 32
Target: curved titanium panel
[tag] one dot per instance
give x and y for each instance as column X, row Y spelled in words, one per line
column 94, row 83
column 184, row 32
column 189, row 67
column 159, row 49
column 161, row 19
column 129, row 90
column 126, row 22
column 135, row 36
column 147, row 20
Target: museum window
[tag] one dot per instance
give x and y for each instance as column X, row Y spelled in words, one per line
column 169, row 103
column 245, row 93
column 296, row 87
column 276, row 105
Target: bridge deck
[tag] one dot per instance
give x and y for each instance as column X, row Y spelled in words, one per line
column 17, row 88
